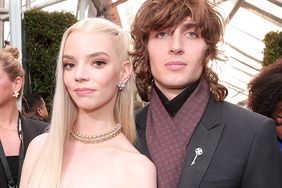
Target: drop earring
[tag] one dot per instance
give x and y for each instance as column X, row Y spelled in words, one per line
column 121, row 85
column 15, row 94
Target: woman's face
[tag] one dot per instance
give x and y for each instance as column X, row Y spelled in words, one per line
column 277, row 116
column 6, row 88
column 91, row 70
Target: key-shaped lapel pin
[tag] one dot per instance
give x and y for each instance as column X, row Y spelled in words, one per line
column 198, row 152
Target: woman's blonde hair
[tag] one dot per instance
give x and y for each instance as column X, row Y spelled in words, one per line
column 47, row 169
column 9, row 58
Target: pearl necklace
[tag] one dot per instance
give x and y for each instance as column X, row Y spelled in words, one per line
column 94, row 139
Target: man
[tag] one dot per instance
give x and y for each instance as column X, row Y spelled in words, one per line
column 195, row 138
column 34, row 107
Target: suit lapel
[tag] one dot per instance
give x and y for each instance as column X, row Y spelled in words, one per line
column 205, row 137
column 141, row 119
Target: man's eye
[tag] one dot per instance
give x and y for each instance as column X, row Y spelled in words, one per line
column 192, row 34
column 162, row 34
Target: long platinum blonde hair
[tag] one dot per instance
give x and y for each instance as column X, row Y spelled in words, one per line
column 46, row 171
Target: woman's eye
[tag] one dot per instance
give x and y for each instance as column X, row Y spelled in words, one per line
column 68, row 65
column 162, row 34
column 99, row 63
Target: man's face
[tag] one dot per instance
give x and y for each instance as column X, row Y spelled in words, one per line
column 277, row 116
column 43, row 111
column 176, row 57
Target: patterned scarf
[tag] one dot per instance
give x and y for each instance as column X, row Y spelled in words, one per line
column 168, row 138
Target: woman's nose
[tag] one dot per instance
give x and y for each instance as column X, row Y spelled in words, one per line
column 81, row 73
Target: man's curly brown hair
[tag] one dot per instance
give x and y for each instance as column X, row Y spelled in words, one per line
column 155, row 15
column 265, row 90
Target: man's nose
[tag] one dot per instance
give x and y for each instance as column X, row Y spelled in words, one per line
column 176, row 44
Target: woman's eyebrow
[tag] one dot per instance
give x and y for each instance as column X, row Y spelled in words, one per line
column 98, row 54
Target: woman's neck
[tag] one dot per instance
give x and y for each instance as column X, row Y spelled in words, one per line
column 9, row 116
column 89, row 123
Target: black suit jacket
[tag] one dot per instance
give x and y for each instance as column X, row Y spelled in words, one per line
column 240, row 149
column 31, row 128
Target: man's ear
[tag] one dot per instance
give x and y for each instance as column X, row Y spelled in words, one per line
column 126, row 71
column 38, row 111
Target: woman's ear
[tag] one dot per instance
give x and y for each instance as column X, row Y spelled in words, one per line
column 126, row 71
column 18, row 84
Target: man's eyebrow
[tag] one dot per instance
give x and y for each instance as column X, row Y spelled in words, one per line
column 189, row 25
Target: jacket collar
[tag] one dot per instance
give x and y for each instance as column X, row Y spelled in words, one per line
column 210, row 119
column 212, row 115
column 206, row 137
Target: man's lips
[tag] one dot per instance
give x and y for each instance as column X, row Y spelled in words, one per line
column 175, row 65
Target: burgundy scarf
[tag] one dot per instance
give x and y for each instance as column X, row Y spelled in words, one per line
column 168, row 138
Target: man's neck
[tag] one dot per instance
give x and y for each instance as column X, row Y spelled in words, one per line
column 172, row 106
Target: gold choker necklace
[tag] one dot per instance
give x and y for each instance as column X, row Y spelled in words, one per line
column 94, row 139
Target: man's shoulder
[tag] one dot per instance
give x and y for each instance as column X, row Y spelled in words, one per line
column 239, row 111
column 141, row 115
column 234, row 114
column 36, row 122
column 142, row 110
column 34, row 125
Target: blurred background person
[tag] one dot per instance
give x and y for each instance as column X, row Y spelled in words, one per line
column 16, row 130
column 34, row 107
column 265, row 95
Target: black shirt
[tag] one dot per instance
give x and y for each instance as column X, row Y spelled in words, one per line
column 13, row 162
column 176, row 103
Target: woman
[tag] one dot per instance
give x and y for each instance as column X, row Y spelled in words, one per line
column 16, row 131
column 92, row 125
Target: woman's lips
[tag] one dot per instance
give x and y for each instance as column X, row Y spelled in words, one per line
column 84, row 91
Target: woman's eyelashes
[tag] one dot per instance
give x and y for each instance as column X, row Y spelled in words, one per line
column 68, row 65
column 96, row 63
column 99, row 63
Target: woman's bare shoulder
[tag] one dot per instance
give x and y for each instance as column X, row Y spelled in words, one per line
column 35, row 147
column 138, row 167
column 33, row 150
column 141, row 164
column 37, row 142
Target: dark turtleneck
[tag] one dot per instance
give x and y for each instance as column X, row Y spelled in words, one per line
column 173, row 106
